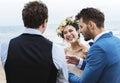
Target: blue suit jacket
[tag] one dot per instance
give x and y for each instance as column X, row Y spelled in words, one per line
column 102, row 63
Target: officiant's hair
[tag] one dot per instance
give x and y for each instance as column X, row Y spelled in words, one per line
column 34, row 14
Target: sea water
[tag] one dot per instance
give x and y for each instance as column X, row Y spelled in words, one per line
column 8, row 32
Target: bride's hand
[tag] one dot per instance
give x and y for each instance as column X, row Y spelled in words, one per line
column 72, row 60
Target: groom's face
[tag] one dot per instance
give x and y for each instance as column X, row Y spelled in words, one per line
column 85, row 30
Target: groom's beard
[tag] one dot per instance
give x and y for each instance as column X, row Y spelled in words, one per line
column 88, row 35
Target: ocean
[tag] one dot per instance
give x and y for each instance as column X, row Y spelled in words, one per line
column 8, row 32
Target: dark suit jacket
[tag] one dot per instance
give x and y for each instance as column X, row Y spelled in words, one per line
column 102, row 63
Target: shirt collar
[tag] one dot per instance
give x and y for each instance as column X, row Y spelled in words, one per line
column 32, row 31
column 99, row 35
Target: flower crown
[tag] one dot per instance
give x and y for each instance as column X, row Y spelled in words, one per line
column 67, row 21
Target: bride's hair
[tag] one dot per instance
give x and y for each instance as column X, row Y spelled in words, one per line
column 64, row 23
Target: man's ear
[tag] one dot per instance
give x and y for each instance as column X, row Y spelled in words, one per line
column 44, row 23
column 91, row 24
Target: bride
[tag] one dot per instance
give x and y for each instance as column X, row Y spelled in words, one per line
column 69, row 31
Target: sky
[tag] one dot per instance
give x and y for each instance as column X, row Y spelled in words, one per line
column 11, row 10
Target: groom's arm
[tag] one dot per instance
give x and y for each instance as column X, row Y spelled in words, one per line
column 73, row 78
column 81, row 64
column 93, row 69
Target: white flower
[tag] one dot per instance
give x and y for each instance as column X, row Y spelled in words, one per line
column 63, row 23
column 70, row 19
column 58, row 31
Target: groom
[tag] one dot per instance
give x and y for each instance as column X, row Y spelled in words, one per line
column 103, row 58
column 30, row 57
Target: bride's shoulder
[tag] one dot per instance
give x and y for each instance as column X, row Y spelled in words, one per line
column 67, row 49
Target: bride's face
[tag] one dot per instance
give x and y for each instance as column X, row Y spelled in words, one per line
column 70, row 34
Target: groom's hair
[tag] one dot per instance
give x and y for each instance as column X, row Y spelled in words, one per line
column 92, row 14
column 34, row 14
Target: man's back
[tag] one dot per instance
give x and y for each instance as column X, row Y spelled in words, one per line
column 30, row 60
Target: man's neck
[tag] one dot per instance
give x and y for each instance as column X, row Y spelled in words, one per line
column 99, row 35
column 98, row 31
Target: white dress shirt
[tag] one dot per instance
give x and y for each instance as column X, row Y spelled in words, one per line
column 58, row 56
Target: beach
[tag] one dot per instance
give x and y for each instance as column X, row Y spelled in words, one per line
column 2, row 75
